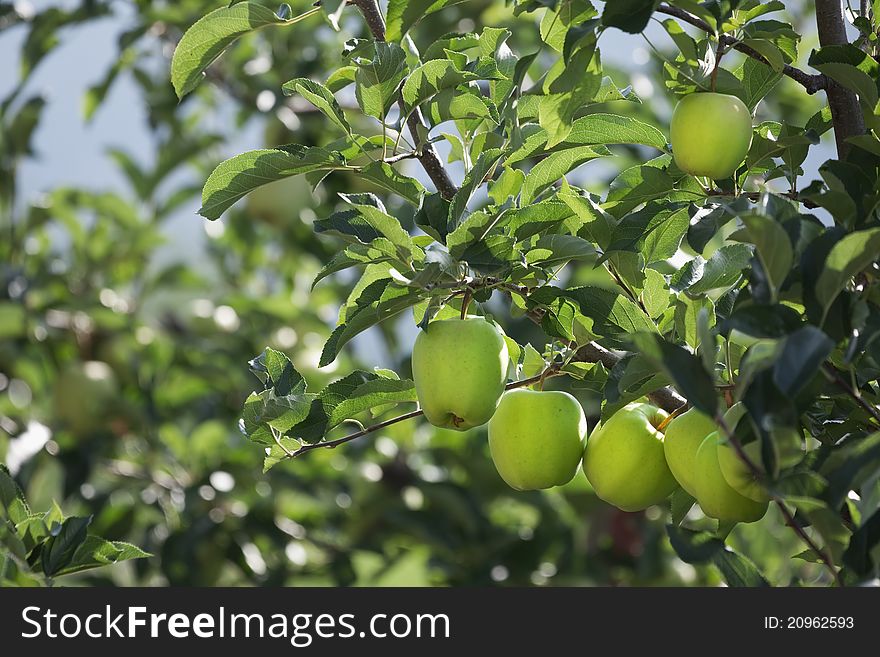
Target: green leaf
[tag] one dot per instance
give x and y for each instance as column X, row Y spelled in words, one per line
column 377, row 302
column 508, row 185
column 456, row 105
column 722, row 270
column 656, row 293
column 384, row 176
column 403, row 14
column 631, row 378
column 371, row 394
column 548, row 215
column 692, row 546
column 492, row 256
column 319, row 96
column 381, row 67
column 628, row 15
column 377, row 251
column 567, row 91
column 96, row 552
column 10, row 493
column 654, row 231
column 348, row 397
column 604, row 312
column 433, row 216
column 595, row 224
column 682, row 502
column 637, row 185
column 208, row 37
column 552, row 250
column 687, row 312
column 366, row 222
column 757, row 78
column 475, row 228
column 847, row 258
column 684, row 368
column 701, row 547
column 58, row 551
column 849, row 466
column 802, row 355
column 686, row 45
column 280, row 412
column 771, row 244
column 614, row 129
column 738, row 570
column 852, row 68
column 472, row 181
column 769, row 51
column 434, row 76
column 340, row 78
column 276, row 371
column 554, row 167
column 237, row 176
column 760, row 321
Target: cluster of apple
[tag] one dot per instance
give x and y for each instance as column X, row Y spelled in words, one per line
column 538, row 438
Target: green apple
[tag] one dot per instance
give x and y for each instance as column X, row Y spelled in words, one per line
column 84, row 396
column 738, row 475
column 459, row 367
column 624, row 458
column 710, row 134
column 279, row 202
column 717, row 498
column 537, row 438
column 683, row 437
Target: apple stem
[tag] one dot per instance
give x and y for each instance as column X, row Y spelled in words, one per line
column 669, row 418
column 465, row 302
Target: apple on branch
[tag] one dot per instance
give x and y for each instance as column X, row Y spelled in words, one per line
column 536, row 438
column 624, row 458
column 459, row 368
column 710, row 134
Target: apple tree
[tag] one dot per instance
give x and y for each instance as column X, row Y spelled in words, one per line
column 711, row 275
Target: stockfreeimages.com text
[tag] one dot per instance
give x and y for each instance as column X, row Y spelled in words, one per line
column 300, row 629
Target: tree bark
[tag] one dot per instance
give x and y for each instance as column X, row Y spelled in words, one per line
column 428, row 155
column 846, row 114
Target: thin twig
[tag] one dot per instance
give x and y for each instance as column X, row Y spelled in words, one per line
column 330, row 444
column 812, row 83
column 756, row 196
column 666, row 398
column 833, row 375
column 428, row 155
column 778, row 501
column 399, row 157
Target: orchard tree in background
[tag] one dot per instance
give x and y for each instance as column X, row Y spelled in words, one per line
column 776, row 321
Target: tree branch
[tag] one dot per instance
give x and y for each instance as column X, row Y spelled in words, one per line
column 778, row 501
column 846, row 115
column 812, row 83
column 833, row 375
column 330, row 444
column 666, row 398
column 756, row 196
column 428, row 156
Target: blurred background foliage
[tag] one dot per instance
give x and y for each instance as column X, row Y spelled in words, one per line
column 126, row 324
